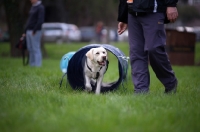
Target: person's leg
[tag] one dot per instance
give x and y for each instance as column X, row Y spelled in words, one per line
column 33, row 45
column 29, row 43
column 155, row 39
column 37, row 48
column 138, row 57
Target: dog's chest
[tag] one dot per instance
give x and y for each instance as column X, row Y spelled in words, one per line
column 95, row 74
column 94, row 71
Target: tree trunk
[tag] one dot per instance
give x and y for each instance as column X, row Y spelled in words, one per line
column 15, row 24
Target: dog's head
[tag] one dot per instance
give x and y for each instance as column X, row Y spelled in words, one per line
column 97, row 55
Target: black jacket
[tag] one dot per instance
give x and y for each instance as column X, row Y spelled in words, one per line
column 36, row 18
column 143, row 6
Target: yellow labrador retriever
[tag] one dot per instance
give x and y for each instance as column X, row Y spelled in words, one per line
column 95, row 68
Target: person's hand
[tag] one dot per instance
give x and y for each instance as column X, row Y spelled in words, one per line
column 33, row 33
column 172, row 14
column 121, row 27
column 22, row 37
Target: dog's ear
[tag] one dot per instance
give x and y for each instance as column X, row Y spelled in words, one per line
column 106, row 54
column 89, row 54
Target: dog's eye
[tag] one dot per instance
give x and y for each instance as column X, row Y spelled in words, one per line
column 97, row 53
column 104, row 52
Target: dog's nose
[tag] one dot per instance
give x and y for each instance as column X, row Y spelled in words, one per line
column 104, row 57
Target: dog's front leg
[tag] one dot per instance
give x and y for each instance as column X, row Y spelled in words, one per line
column 88, row 86
column 98, row 87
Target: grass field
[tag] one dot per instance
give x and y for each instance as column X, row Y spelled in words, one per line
column 31, row 100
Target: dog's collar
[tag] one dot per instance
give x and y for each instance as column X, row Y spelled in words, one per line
column 97, row 75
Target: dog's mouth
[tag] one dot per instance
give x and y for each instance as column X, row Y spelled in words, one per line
column 102, row 63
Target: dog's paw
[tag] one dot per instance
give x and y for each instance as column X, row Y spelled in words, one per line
column 97, row 93
column 88, row 89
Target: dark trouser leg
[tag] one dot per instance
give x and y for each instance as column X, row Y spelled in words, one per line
column 155, row 39
column 147, row 39
column 138, row 57
column 161, row 66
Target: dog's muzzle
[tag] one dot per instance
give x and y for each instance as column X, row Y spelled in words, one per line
column 103, row 62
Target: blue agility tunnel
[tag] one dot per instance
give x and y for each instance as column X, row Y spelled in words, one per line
column 75, row 68
column 65, row 60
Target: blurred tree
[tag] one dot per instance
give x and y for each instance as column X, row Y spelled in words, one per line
column 184, row 1
column 88, row 12
column 55, row 11
column 188, row 13
column 15, row 21
column 81, row 13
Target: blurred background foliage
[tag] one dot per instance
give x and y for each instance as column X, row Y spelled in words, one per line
column 81, row 13
column 14, row 13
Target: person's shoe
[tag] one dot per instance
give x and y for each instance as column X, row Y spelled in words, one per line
column 141, row 92
column 172, row 90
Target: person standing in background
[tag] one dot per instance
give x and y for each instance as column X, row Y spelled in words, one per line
column 33, row 33
column 145, row 21
column 98, row 29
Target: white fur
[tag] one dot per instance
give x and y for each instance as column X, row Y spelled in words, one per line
column 94, row 56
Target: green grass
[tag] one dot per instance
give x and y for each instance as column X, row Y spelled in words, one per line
column 31, row 101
